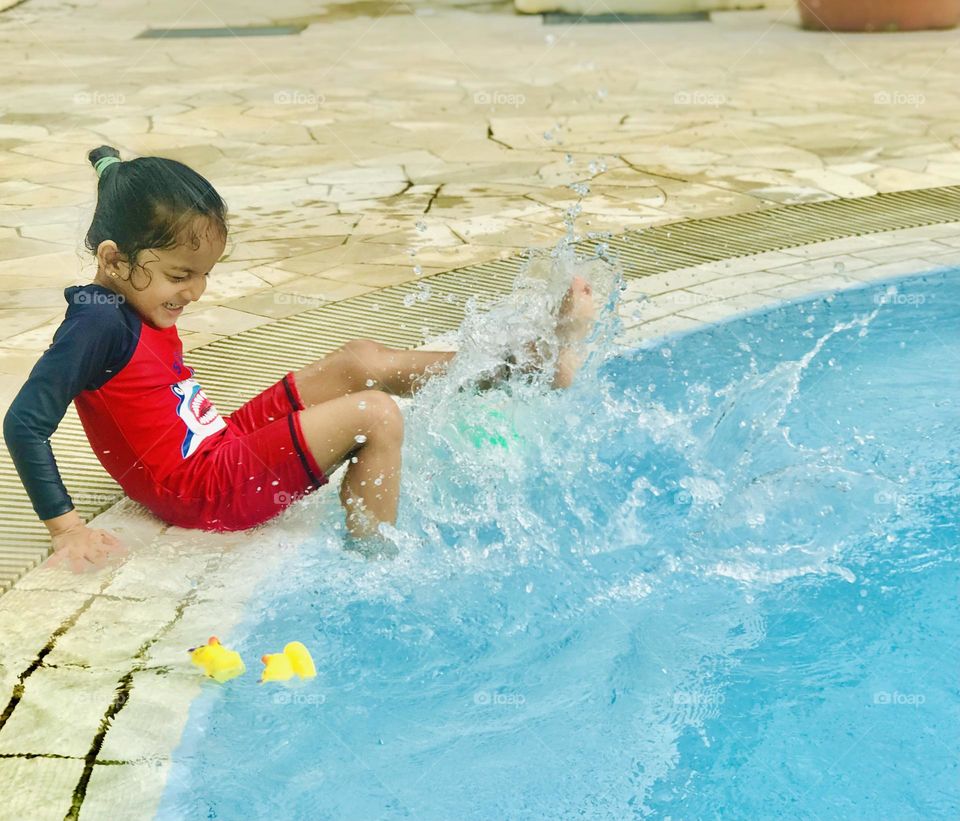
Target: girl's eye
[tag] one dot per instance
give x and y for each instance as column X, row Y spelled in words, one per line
column 173, row 278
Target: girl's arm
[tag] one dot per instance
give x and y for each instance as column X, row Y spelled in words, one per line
column 64, row 523
column 84, row 548
column 89, row 346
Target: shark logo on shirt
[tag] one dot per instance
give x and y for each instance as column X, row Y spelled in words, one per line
column 198, row 414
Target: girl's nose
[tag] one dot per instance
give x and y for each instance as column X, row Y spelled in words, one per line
column 195, row 289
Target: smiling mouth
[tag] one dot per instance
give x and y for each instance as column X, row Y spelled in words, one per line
column 171, row 307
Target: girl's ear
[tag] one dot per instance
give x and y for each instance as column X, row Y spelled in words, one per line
column 109, row 257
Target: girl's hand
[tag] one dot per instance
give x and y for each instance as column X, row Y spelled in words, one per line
column 83, row 548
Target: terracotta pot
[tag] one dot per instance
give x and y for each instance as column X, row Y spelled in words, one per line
column 879, row 15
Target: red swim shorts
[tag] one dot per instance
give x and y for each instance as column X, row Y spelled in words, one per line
column 258, row 467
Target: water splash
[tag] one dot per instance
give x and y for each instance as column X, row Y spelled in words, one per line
column 585, row 571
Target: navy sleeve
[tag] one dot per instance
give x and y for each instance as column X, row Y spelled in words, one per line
column 87, row 349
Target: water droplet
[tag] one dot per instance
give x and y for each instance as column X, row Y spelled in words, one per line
column 362, row 405
column 601, row 94
column 370, row 383
column 360, row 438
column 568, row 159
column 421, row 226
column 548, row 135
column 378, row 481
column 354, row 459
column 417, row 269
column 839, row 267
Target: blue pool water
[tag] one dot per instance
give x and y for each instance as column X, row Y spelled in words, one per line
column 716, row 579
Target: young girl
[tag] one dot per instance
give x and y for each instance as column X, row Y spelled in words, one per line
column 158, row 230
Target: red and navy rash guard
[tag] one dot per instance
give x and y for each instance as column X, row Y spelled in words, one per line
column 140, row 406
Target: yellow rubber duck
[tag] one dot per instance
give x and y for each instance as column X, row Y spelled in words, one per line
column 217, row 661
column 295, row 660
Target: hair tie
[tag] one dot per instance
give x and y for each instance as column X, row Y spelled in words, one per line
column 104, row 163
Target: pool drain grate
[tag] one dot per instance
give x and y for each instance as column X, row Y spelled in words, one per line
column 556, row 18
column 224, row 31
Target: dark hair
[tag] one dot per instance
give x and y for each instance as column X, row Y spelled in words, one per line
column 151, row 202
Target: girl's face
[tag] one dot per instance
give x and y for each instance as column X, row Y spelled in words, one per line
column 177, row 276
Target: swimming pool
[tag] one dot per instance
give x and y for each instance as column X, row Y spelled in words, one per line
column 715, row 579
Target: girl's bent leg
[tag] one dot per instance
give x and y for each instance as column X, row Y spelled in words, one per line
column 362, row 364
column 349, row 368
column 367, row 427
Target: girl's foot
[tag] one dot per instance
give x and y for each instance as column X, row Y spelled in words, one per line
column 575, row 320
